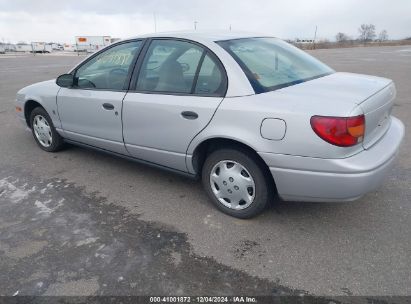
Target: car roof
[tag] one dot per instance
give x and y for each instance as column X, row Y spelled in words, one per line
column 211, row 36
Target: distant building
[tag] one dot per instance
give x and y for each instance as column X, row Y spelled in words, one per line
column 91, row 43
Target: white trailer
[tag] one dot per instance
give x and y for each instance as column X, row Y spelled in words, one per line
column 2, row 49
column 41, row 47
column 24, row 47
column 91, row 44
column 8, row 47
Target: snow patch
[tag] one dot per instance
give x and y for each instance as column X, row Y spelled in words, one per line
column 15, row 194
column 43, row 207
column 210, row 222
column 87, row 241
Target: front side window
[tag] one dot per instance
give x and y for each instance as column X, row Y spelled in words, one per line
column 109, row 69
column 271, row 63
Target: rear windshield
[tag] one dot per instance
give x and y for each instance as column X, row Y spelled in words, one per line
column 272, row 64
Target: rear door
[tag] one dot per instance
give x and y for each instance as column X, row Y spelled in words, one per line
column 179, row 87
column 90, row 111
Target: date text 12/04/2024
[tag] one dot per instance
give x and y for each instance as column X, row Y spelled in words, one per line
column 203, row 299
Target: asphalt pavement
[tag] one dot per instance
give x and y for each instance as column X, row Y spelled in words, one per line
column 79, row 222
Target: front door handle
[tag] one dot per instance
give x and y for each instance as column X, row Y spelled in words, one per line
column 108, row 106
column 189, row 115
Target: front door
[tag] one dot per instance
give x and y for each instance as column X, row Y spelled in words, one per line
column 179, row 87
column 90, row 111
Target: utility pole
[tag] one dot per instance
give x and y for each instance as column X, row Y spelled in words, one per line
column 155, row 22
column 315, row 36
column 195, row 25
column 230, row 27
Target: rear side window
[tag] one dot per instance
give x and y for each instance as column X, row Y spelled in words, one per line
column 181, row 67
column 272, row 64
column 210, row 78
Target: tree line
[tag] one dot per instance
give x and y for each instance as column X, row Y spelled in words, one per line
column 367, row 33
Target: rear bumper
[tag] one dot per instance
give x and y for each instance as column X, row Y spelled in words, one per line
column 326, row 180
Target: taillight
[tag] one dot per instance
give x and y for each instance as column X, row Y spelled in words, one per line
column 339, row 131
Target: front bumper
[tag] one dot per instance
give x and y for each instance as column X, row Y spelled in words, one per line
column 327, row 180
column 20, row 115
column 23, row 122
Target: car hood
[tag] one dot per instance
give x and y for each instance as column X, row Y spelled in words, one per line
column 38, row 91
column 39, row 85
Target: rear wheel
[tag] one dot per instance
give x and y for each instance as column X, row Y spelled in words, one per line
column 44, row 132
column 236, row 182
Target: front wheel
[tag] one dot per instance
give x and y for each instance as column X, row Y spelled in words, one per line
column 44, row 132
column 236, row 182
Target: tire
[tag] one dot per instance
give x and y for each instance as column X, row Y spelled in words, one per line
column 44, row 132
column 243, row 192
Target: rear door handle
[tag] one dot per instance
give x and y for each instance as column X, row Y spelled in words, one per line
column 108, row 106
column 189, row 115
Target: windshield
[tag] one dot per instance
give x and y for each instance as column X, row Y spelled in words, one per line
column 272, row 64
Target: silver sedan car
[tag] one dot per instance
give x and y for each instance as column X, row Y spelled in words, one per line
column 253, row 116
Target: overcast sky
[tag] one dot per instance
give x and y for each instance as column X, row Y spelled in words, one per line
column 60, row 21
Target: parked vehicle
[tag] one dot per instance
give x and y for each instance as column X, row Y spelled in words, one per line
column 69, row 47
column 7, row 47
column 252, row 116
column 56, row 47
column 41, row 47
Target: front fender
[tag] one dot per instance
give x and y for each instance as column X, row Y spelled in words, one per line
column 45, row 94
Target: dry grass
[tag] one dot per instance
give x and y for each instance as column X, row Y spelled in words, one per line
column 351, row 43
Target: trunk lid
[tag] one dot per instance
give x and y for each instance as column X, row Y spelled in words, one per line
column 377, row 110
column 349, row 94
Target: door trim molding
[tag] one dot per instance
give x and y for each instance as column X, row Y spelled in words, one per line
column 134, row 159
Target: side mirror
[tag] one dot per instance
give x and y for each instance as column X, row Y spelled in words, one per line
column 65, row 80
